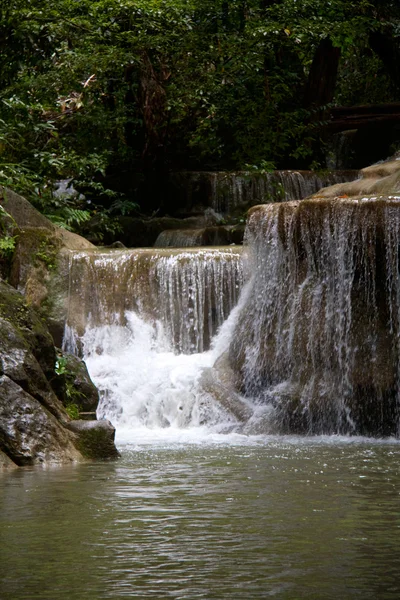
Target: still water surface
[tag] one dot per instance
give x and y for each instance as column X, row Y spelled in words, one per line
column 269, row 517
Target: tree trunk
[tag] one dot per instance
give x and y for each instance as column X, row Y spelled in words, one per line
column 320, row 87
column 388, row 50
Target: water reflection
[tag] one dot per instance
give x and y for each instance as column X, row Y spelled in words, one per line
column 280, row 519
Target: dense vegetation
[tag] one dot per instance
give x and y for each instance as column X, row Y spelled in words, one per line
column 112, row 93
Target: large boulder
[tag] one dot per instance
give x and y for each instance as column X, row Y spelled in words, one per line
column 95, row 438
column 34, row 263
column 34, row 424
column 75, row 386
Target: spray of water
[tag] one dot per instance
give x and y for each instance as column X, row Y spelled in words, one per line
column 147, row 355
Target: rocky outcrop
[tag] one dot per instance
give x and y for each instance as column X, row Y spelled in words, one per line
column 75, row 376
column 33, row 419
column 34, row 425
column 95, row 438
column 381, row 179
column 38, row 245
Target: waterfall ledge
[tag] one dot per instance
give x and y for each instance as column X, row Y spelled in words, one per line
column 319, row 336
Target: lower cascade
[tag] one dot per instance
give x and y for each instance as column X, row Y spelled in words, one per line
column 311, row 345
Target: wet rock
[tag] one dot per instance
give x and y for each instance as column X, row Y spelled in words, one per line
column 6, row 463
column 76, row 377
column 381, row 179
column 95, row 438
column 318, row 337
column 33, row 420
column 219, row 383
column 30, row 434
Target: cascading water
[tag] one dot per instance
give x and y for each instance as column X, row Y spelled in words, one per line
column 318, row 339
column 313, row 345
column 228, row 192
column 180, row 238
column 144, row 320
column 231, row 190
column 188, row 292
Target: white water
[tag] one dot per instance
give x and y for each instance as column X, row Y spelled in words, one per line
column 143, row 321
column 148, row 391
column 315, row 340
column 322, row 324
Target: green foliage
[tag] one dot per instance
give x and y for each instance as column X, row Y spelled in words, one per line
column 8, row 238
column 72, row 410
column 72, row 395
column 7, row 246
column 108, row 92
column 61, row 365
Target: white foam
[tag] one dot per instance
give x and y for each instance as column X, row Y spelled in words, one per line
column 148, row 391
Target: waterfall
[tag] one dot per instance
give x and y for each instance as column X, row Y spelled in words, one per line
column 318, row 339
column 189, row 293
column 144, row 320
column 228, row 193
column 311, row 345
column 180, row 238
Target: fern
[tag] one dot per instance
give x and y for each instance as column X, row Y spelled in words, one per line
column 69, row 218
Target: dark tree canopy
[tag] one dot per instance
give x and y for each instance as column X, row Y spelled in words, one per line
column 112, row 92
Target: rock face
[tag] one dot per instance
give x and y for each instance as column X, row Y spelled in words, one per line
column 318, row 340
column 34, row 425
column 96, row 438
column 34, row 262
column 76, row 376
column 376, row 180
column 33, row 421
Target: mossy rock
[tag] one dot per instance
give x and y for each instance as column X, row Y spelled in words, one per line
column 95, row 439
column 15, row 310
column 74, row 386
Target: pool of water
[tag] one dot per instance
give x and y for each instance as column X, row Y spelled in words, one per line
column 253, row 518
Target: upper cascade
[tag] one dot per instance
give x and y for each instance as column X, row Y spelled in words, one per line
column 189, row 293
column 227, row 193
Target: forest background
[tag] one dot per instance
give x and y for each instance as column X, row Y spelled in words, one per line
column 115, row 94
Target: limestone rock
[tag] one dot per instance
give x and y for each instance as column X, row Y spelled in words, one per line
column 35, row 260
column 27, row 217
column 29, row 434
column 381, row 179
column 318, row 337
column 33, row 421
column 77, row 376
column 95, row 438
